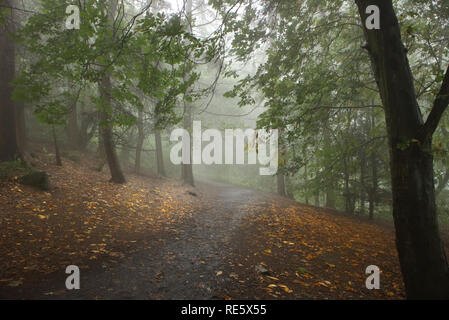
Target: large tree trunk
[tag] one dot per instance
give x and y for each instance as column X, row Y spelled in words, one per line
column 421, row 251
column 8, row 142
column 159, row 154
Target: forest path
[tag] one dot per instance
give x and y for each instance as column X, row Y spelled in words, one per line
column 184, row 265
column 185, row 262
column 159, row 239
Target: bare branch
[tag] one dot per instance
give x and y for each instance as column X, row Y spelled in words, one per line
column 439, row 106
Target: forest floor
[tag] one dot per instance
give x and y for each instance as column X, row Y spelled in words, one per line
column 158, row 239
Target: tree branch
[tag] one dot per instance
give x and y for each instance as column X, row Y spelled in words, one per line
column 439, row 106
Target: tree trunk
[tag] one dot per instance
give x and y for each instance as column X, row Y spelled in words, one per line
column 372, row 196
column 72, row 125
column 159, row 154
column 329, row 187
column 106, row 131
column 347, row 192
column 420, row 249
column 140, row 140
column 100, row 151
column 362, row 182
column 317, row 199
column 106, row 126
column 55, row 142
column 280, row 184
column 21, row 126
column 9, row 149
column 374, row 185
column 187, row 169
column 88, row 128
column 306, row 179
column 330, row 198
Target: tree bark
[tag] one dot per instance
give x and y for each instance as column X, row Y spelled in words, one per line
column 420, row 249
column 9, row 149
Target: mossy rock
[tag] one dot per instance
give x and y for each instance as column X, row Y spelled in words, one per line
column 38, row 179
column 10, row 169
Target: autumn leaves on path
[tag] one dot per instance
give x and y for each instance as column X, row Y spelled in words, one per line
column 157, row 239
column 285, row 250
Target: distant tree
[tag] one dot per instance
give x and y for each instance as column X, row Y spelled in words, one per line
column 105, row 88
column 187, row 168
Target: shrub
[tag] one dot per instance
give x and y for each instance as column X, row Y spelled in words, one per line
column 37, row 179
column 9, row 169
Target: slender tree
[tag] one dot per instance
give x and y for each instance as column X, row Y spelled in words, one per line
column 187, row 169
column 106, row 127
column 159, row 154
column 140, row 141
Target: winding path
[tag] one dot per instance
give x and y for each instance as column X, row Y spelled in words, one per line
column 185, row 264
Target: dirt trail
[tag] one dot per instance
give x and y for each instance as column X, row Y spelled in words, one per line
column 181, row 264
column 158, row 239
